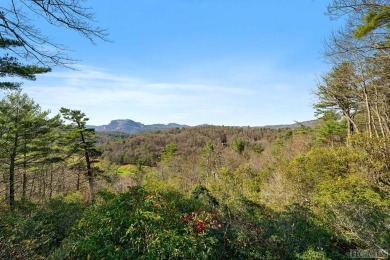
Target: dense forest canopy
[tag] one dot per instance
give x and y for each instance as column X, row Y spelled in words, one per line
column 208, row 192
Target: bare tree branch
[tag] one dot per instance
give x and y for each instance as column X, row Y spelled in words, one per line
column 18, row 23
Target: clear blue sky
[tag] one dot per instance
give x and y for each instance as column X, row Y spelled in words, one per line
column 221, row 62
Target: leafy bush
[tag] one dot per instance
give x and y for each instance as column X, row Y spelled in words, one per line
column 33, row 232
column 307, row 171
column 238, row 145
column 261, row 233
column 355, row 211
column 139, row 224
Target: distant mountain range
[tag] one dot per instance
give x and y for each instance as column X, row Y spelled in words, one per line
column 129, row 126
column 309, row 123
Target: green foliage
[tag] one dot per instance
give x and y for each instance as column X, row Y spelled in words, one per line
column 79, row 140
column 310, row 169
column 280, row 142
column 238, row 145
column 277, row 146
column 203, row 194
column 33, row 232
column 205, row 142
column 74, row 197
column 260, row 233
column 339, row 93
column 169, row 151
column 374, row 154
column 10, row 85
column 257, row 148
column 274, row 194
column 355, row 211
column 312, row 254
column 138, row 224
column 376, row 17
column 27, row 136
column 234, row 187
column 11, row 67
column 331, row 129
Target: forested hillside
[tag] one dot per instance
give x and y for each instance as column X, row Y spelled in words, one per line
column 208, row 192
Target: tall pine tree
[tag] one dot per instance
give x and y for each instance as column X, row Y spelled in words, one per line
column 24, row 132
column 81, row 140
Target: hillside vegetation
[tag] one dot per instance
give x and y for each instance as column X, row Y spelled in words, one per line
column 211, row 192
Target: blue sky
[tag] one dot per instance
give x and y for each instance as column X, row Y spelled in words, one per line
column 221, row 62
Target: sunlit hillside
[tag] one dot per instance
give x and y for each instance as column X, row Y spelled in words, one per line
column 316, row 189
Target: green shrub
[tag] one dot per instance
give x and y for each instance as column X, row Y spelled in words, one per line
column 260, row 233
column 239, row 145
column 33, row 232
column 140, row 224
column 355, row 211
column 312, row 254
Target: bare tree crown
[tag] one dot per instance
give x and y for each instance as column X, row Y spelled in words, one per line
column 18, row 23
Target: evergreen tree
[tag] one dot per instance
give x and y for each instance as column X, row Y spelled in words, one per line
column 81, row 140
column 339, row 91
column 24, row 131
column 378, row 16
column 11, row 67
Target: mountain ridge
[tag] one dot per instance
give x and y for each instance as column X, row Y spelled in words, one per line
column 132, row 127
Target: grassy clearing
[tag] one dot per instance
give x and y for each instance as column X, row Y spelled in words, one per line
column 131, row 170
column 128, row 169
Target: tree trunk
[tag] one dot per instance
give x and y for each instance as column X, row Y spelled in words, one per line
column 51, row 182
column 24, row 177
column 369, row 115
column 44, row 184
column 24, row 186
column 352, row 127
column 91, row 182
column 6, row 188
column 90, row 173
column 32, row 186
column 11, row 199
column 78, row 180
